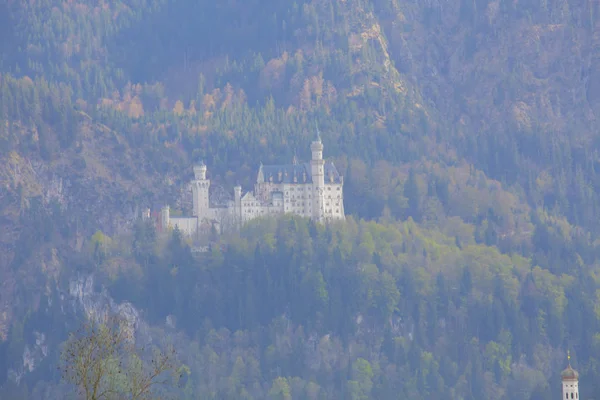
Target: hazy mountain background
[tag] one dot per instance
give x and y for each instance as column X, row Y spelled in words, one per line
column 467, row 133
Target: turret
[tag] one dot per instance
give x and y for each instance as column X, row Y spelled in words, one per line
column 317, row 171
column 237, row 191
column 316, row 148
column 200, row 171
column 237, row 194
column 200, row 191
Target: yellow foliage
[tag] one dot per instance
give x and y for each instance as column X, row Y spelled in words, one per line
column 101, row 239
column 178, row 109
column 136, row 108
column 305, row 96
column 27, row 81
column 192, row 108
column 228, row 96
column 299, row 57
column 521, row 114
column 208, row 102
column 106, row 102
column 544, row 182
column 14, row 157
column 273, row 73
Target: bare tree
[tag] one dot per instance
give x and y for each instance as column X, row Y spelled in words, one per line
column 101, row 360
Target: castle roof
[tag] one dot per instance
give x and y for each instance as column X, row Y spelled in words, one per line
column 285, row 173
column 248, row 196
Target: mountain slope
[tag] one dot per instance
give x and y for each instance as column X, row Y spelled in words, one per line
column 466, row 129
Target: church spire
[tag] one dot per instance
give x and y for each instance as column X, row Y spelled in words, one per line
column 570, row 381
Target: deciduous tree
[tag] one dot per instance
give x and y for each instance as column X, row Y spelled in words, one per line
column 102, row 361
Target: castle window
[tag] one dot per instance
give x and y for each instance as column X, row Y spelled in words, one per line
column 338, row 188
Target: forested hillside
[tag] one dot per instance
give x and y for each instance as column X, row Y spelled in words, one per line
column 467, row 135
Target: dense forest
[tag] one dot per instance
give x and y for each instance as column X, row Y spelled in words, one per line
column 467, row 135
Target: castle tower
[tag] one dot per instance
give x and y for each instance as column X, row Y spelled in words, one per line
column 200, row 187
column 570, row 382
column 318, row 176
column 237, row 194
column 165, row 217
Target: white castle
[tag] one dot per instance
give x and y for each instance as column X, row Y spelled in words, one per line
column 313, row 190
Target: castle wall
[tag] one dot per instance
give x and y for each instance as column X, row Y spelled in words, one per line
column 333, row 201
column 187, row 225
column 250, row 207
column 298, row 199
column 263, row 190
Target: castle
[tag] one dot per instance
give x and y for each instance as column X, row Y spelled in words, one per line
column 313, row 190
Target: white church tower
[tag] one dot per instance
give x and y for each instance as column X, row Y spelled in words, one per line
column 200, row 187
column 570, row 382
column 317, row 165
